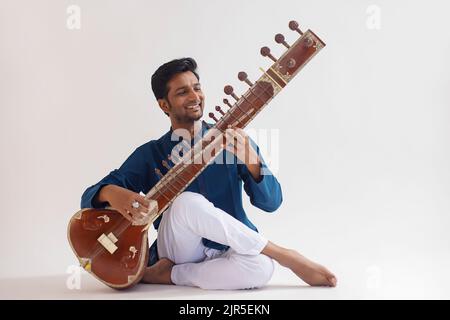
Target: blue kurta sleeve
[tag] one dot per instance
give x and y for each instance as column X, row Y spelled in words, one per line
column 133, row 175
column 265, row 194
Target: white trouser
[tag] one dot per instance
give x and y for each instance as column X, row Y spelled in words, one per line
column 192, row 217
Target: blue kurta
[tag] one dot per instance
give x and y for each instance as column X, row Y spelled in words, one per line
column 219, row 183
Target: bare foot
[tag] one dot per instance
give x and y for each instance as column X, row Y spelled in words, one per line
column 159, row 273
column 312, row 273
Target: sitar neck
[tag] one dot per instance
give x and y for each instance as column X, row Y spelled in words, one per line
column 184, row 169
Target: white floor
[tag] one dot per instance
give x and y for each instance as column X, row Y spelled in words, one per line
column 359, row 282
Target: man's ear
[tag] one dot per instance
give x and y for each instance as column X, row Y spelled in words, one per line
column 164, row 105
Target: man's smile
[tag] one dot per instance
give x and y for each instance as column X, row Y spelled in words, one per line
column 194, row 107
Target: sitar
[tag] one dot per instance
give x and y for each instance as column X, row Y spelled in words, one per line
column 115, row 250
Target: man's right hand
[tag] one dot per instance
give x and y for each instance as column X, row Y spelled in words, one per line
column 121, row 199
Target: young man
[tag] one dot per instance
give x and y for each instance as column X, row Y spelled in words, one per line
column 204, row 238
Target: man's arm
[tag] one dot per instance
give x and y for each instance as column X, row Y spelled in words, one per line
column 103, row 195
column 259, row 183
column 238, row 142
column 255, row 170
column 132, row 175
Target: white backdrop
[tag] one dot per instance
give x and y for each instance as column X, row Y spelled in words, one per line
column 363, row 160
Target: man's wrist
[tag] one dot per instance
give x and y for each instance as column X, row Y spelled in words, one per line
column 255, row 170
column 104, row 194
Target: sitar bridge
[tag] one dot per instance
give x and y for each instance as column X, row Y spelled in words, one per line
column 108, row 242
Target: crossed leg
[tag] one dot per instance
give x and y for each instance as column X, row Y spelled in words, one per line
column 247, row 264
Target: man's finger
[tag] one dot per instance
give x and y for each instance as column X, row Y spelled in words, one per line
column 139, row 216
column 231, row 140
column 127, row 214
column 143, row 204
column 139, row 212
column 241, row 132
column 142, row 200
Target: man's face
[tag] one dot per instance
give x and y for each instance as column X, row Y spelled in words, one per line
column 185, row 99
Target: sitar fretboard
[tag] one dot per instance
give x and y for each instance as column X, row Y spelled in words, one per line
column 183, row 169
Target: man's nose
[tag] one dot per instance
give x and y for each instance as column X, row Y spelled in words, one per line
column 193, row 95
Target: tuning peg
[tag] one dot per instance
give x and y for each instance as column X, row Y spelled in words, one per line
column 211, row 115
column 293, row 25
column 243, row 77
column 227, row 103
column 265, row 52
column 158, row 173
column 279, row 38
column 218, row 109
column 229, row 91
column 166, row 165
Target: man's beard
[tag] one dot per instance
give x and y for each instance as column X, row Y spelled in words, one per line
column 187, row 118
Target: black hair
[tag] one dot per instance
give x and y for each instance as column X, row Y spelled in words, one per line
column 165, row 72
